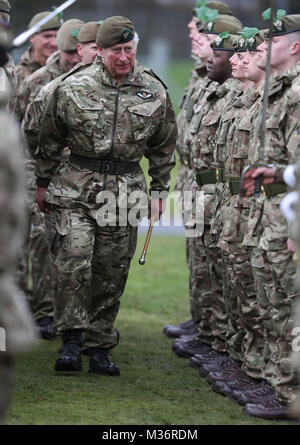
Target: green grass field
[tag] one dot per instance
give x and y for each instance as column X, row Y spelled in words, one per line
column 155, row 387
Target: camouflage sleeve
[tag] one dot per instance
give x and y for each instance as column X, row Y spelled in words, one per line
column 160, row 149
column 52, row 136
column 22, row 100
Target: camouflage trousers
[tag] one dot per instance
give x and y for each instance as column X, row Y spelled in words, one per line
column 92, row 265
column 200, row 289
column 245, row 335
column 276, row 302
column 36, row 251
column 218, row 286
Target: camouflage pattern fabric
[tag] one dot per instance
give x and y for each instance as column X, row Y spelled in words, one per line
column 11, row 74
column 26, row 66
column 38, row 242
column 245, row 335
column 281, row 148
column 204, row 123
column 136, row 124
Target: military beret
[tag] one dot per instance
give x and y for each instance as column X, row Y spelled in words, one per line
column 67, row 36
column 114, row 30
column 224, row 42
column 54, row 23
column 5, row 6
column 283, row 24
column 224, row 23
column 249, row 39
column 221, row 7
column 88, row 32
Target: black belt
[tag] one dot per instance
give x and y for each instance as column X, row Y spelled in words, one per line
column 104, row 166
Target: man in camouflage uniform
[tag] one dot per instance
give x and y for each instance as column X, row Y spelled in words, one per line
column 282, row 138
column 110, row 114
column 43, row 272
column 245, row 333
column 185, row 179
column 17, row 332
column 43, row 44
column 211, row 325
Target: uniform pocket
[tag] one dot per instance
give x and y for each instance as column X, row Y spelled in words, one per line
column 84, row 113
column 142, row 119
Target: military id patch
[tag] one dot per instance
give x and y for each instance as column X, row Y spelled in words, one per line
column 144, row 95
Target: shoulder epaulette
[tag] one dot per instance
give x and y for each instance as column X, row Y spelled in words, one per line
column 152, row 73
column 74, row 70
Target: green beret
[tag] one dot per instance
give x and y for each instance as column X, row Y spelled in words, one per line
column 249, row 39
column 221, row 7
column 115, row 30
column 224, row 42
column 88, row 32
column 52, row 24
column 66, row 38
column 5, row 6
column 224, row 23
column 285, row 24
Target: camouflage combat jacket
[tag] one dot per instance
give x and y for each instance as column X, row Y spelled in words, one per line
column 26, row 66
column 33, row 83
column 233, row 145
column 203, row 127
column 98, row 118
column 282, row 143
column 11, row 74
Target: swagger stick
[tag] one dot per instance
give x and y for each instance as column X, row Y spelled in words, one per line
column 142, row 259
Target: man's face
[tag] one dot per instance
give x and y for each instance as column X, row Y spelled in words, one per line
column 252, row 71
column 69, row 59
column 237, row 66
column 192, row 28
column 119, row 59
column 218, row 66
column 205, row 50
column 87, row 51
column 44, row 43
column 280, row 52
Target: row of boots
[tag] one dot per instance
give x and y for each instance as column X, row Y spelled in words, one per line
column 225, row 374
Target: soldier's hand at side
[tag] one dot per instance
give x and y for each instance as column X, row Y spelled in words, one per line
column 156, row 208
column 267, row 173
column 39, row 197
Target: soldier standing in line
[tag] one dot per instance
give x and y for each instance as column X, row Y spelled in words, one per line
column 43, row 272
column 281, row 148
column 127, row 113
column 87, row 47
column 232, row 149
column 185, row 179
column 212, row 325
column 17, row 331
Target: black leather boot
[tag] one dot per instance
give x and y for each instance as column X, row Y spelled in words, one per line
column 100, row 362
column 70, row 358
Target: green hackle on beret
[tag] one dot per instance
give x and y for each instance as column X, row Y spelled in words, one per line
column 282, row 23
column 66, row 38
column 88, row 32
column 224, row 42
